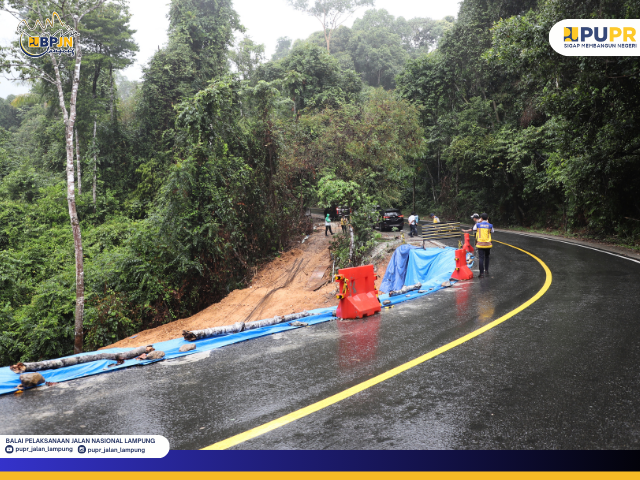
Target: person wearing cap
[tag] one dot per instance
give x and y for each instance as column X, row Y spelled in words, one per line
column 327, row 225
column 435, row 219
column 476, row 218
column 483, row 231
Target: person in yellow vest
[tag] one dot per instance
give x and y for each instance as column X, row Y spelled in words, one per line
column 343, row 224
column 435, row 219
column 483, row 231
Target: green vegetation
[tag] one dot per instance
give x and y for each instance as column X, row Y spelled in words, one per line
column 532, row 137
column 204, row 168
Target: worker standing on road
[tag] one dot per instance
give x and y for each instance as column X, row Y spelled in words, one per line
column 476, row 218
column 343, row 224
column 483, row 231
column 413, row 225
column 327, row 225
column 435, row 218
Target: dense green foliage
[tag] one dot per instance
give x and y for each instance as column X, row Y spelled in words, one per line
column 205, row 167
column 520, row 131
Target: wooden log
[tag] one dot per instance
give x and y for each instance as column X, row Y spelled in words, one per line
column 267, row 322
column 193, row 335
column 405, row 289
column 70, row 361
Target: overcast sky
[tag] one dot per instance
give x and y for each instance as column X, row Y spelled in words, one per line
column 265, row 21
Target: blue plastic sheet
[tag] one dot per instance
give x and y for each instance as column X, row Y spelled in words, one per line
column 430, row 266
column 397, row 269
column 9, row 381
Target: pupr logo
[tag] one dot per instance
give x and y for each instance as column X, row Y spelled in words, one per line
column 52, row 37
column 570, row 34
column 625, row 34
column 596, row 37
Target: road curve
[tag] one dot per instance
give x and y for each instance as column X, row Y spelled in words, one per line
column 562, row 374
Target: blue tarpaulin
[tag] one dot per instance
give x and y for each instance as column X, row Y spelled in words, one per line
column 408, row 265
column 397, row 269
column 431, row 267
column 9, row 381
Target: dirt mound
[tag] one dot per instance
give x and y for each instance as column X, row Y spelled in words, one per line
column 298, row 280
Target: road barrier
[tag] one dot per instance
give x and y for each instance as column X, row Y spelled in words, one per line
column 357, row 292
column 462, row 271
column 438, row 231
column 467, row 244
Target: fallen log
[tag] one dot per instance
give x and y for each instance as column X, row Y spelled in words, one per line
column 267, row 322
column 193, row 335
column 70, row 361
column 405, row 289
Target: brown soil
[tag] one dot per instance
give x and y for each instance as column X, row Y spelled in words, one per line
column 298, row 280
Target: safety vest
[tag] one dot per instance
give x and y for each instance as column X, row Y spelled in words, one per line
column 483, row 235
column 436, row 219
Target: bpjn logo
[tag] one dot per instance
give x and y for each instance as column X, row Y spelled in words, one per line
column 52, row 37
column 570, row 34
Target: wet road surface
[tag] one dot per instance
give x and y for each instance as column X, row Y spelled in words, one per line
column 562, row 374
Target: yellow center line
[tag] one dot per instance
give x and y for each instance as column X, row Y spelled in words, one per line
column 303, row 412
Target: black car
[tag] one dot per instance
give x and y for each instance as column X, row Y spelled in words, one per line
column 343, row 211
column 390, row 218
column 335, row 212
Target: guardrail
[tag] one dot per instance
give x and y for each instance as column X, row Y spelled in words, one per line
column 436, row 231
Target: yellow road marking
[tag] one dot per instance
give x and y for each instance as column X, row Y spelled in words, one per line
column 303, row 412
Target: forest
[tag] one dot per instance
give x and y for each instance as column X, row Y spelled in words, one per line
column 125, row 204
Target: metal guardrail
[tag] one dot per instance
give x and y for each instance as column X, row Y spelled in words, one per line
column 436, row 231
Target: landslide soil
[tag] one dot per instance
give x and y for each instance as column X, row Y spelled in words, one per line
column 298, row 280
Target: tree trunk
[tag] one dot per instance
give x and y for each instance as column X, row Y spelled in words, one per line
column 495, row 109
column 78, row 162
column 414, row 185
column 69, row 119
column 70, row 361
column 96, row 75
column 111, row 94
column 352, row 244
column 95, row 165
column 327, row 37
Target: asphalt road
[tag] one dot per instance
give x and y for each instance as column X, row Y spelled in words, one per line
column 562, row 374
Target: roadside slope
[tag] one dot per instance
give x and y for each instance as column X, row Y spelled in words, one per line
column 298, row 280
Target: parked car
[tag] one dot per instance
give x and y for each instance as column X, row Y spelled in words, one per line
column 337, row 211
column 389, row 218
column 344, row 211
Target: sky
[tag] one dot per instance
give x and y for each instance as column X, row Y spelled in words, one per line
column 264, row 20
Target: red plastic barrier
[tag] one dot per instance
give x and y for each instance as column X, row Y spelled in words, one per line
column 357, row 292
column 467, row 244
column 462, row 272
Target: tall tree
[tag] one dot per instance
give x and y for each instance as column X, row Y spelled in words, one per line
column 283, row 46
column 201, row 33
column 73, row 13
column 330, row 13
column 247, row 56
